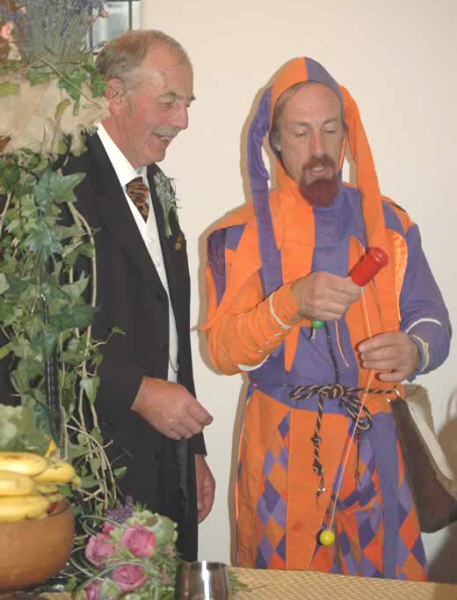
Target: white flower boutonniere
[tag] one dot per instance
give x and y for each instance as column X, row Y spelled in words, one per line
column 166, row 193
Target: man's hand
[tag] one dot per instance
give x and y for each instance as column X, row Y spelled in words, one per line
column 170, row 408
column 323, row 296
column 393, row 352
column 205, row 487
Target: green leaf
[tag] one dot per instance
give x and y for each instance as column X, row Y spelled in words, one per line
column 119, row 472
column 64, row 104
column 46, row 341
column 55, row 187
column 4, row 351
column 18, row 285
column 90, row 386
column 117, row 330
column 4, row 285
column 7, row 314
column 42, row 240
column 35, row 77
column 73, row 316
column 9, row 88
column 94, row 465
column 75, row 290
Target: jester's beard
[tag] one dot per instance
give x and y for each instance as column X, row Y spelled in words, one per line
column 319, row 181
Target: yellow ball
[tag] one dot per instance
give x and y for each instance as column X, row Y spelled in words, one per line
column 327, row 537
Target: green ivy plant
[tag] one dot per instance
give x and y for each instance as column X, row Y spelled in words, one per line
column 46, row 305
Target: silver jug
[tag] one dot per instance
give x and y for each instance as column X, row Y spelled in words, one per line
column 202, row 581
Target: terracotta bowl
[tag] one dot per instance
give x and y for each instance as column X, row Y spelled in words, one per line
column 33, row 551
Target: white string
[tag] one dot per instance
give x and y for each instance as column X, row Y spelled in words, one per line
column 351, row 439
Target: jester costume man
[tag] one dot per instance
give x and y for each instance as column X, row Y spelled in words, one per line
column 319, row 450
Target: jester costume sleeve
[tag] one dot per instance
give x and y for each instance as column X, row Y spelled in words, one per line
column 305, row 464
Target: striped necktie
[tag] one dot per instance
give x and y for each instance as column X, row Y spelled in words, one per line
column 138, row 192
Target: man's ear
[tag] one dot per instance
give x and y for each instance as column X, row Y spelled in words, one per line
column 115, row 95
column 277, row 142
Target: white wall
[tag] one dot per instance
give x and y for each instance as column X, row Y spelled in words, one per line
column 398, row 59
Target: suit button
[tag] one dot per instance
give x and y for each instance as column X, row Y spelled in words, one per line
column 160, row 297
column 163, row 348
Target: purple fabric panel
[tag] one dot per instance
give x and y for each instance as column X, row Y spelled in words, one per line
column 216, row 260
column 271, row 272
column 367, row 568
column 403, row 553
column 316, row 72
column 419, row 552
column 271, row 496
column 268, row 463
column 280, row 512
column 391, row 219
column 264, row 554
column 258, row 174
column 281, row 549
column 347, row 557
column 258, row 179
column 365, row 529
column 421, row 298
column 384, row 441
column 284, row 426
column 283, row 458
column 262, row 511
column 404, row 496
column 233, row 236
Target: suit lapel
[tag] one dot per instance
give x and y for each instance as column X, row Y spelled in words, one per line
column 115, row 212
column 167, row 244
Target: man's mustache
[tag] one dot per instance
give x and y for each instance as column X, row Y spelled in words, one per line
column 167, row 131
column 319, row 161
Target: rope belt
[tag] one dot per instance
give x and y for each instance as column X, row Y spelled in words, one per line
column 349, row 398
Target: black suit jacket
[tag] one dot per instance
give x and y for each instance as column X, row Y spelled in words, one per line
column 130, row 295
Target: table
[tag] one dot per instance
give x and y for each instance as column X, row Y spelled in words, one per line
column 307, row 585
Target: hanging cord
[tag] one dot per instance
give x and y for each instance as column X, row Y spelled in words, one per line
column 356, row 423
column 349, row 398
column 331, row 352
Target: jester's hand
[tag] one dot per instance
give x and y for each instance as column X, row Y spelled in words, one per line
column 393, row 354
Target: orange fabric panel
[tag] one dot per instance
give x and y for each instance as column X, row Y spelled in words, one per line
column 401, row 262
column 367, row 183
column 293, row 72
column 304, row 519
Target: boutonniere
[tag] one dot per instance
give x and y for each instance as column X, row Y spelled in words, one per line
column 166, row 193
column 179, row 241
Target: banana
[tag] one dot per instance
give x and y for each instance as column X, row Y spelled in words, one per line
column 20, row 508
column 57, row 472
column 15, row 484
column 26, row 463
column 76, row 482
column 52, row 448
column 46, row 490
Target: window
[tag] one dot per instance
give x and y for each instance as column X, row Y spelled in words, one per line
column 123, row 15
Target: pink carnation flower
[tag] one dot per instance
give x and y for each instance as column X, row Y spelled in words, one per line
column 99, row 548
column 92, row 590
column 107, row 527
column 140, row 541
column 129, row 577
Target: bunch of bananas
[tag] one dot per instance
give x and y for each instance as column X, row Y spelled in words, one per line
column 28, row 484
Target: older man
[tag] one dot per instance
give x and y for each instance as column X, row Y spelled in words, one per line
column 146, row 402
column 318, row 451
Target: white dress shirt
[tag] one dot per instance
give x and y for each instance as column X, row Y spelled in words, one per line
column 148, row 230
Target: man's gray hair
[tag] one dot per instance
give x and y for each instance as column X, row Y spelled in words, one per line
column 122, row 57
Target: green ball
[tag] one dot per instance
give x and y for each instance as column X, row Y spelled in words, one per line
column 327, row 537
column 317, row 324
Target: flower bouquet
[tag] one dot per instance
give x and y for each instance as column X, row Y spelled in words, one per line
column 133, row 557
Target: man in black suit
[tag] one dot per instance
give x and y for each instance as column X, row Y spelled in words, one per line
column 146, row 401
